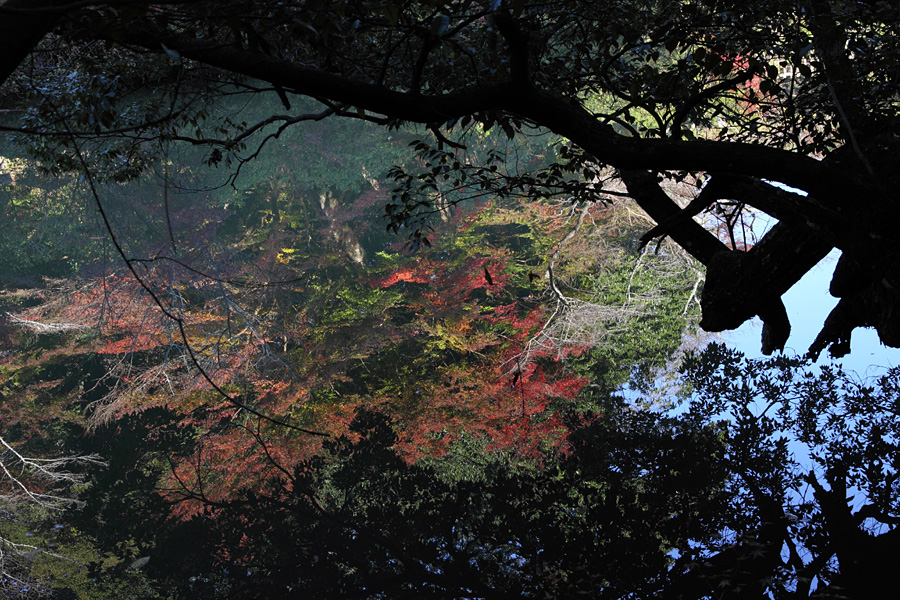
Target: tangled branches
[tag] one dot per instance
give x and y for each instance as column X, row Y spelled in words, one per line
column 44, row 484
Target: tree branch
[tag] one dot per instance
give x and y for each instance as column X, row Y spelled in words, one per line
column 740, row 285
column 828, row 184
column 688, row 234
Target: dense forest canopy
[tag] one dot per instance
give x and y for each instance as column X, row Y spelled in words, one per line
column 735, row 95
column 380, row 300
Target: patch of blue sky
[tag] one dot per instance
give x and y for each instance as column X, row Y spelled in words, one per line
column 808, row 304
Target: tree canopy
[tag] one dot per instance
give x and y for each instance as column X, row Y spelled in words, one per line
column 744, row 494
column 300, row 308
column 732, row 96
column 290, row 401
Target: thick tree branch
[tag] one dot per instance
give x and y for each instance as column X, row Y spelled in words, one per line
column 517, row 40
column 688, row 234
column 740, row 285
column 829, row 185
column 727, row 299
column 830, row 42
column 708, row 195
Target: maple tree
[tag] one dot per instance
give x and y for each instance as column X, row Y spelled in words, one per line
column 483, row 344
column 361, row 521
column 295, row 336
column 735, row 95
column 743, row 493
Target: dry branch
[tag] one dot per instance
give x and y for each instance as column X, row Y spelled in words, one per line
column 44, row 328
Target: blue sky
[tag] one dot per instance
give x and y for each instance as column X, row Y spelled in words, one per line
column 808, row 304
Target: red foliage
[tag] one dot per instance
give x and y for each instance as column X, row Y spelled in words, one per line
column 418, row 273
column 462, row 322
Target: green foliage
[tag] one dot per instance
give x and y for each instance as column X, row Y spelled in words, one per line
column 390, row 529
column 791, row 428
column 644, row 346
column 48, row 230
column 72, row 104
column 427, row 337
column 57, row 564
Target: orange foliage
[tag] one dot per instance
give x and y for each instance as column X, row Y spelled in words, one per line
column 463, row 321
